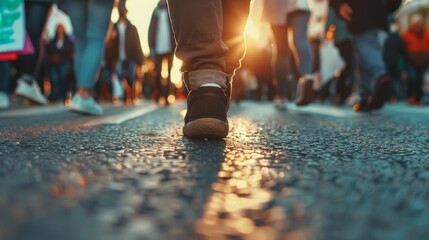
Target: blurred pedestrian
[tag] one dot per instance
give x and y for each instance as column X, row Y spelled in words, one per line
column 343, row 42
column 395, row 58
column 367, row 22
column 90, row 21
column 161, row 43
column 59, row 52
column 210, row 42
column 127, row 51
column 293, row 15
column 416, row 39
column 36, row 13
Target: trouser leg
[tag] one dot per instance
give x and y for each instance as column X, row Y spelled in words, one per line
column 199, row 32
column 90, row 20
column 35, row 18
column 282, row 58
column 369, row 51
column 298, row 22
column 235, row 14
column 4, row 76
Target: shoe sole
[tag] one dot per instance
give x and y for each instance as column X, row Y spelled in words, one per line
column 31, row 98
column 206, row 128
column 308, row 92
column 84, row 112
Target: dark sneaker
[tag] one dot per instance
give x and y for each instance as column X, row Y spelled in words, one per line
column 382, row 93
column 305, row 92
column 206, row 115
column 362, row 106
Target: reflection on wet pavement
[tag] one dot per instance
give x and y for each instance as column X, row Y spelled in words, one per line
column 241, row 205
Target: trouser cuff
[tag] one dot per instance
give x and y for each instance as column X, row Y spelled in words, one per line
column 196, row 79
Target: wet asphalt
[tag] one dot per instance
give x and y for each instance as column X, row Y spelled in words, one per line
column 300, row 174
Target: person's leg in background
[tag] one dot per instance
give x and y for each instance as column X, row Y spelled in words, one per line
column 130, row 67
column 280, row 33
column 90, row 20
column 171, row 89
column 158, row 78
column 35, row 17
column 420, row 70
column 412, row 75
column 64, row 73
column 54, row 77
column 4, row 84
column 346, row 78
column 373, row 71
column 298, row 21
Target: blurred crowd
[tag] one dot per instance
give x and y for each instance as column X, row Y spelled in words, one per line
column 313, row 49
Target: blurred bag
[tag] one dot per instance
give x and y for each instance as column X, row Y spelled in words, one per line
column 118, row 90
column 330, row 60
column 10, row 56
column 12, row 26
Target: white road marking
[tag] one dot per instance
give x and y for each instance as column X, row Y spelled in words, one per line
column 121, row 118
column 330, row 111
column 33, row 111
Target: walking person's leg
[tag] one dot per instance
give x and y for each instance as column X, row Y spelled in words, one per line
column 346, row 78
column 90, row 20
column 280, row 33
column 158, row 78
column 4, row 84
column 35, row 17
column 419, row 83
column 298, row 21
column 198, row 28
column 64, row 72
column 369, row 51
column 54, row 77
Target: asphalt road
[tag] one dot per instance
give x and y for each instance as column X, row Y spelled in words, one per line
column 318, row 172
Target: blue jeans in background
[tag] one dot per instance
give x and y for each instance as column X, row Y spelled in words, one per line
column 4, row 76
column 126, row 69
column 297, row 22
column 90, row 21
column 369, row 49
column 58, row 74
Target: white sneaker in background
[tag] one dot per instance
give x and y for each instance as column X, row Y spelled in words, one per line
column 30, row 90
column 280, row 105
column 85, row 105
column 4, row 100
column 118, row 90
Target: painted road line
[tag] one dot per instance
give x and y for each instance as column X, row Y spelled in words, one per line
column 121, row 118
column 322, row 110
column 33, row 111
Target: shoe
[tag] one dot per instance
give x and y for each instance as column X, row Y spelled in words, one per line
column 280, row 105
column 86, row 106
column 382, row 93
column 30, row 90
column 362, row 106
column 4, row 101
column 305, row 92
column 325, row 90
column 206, row 115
